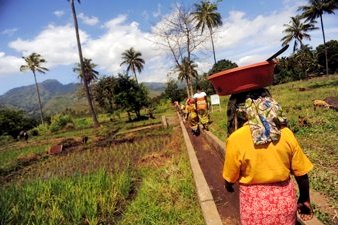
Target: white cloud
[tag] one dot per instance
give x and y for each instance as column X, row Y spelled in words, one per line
column 91, row 21
column 9, row 64
column 59, row 13
column 119, row 36
column 9, row 32
column 56, row 44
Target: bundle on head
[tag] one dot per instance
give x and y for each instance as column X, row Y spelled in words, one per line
column 239, row 98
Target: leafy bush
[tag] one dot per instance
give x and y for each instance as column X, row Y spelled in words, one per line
column 14, row 121
column 59, row 121
column 34, row 132
column 82, row 123
column 163, row 106
column 42, row 129
column 5, row 139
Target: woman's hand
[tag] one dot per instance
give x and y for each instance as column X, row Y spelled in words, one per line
column 305, row 210
column 228, row 186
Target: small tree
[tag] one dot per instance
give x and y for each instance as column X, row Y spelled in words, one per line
column 206, row 15
column 187, row 71
column 172, row 91
column 130, row 96
column 221, row 65
column 33, row 63
column 14, row 121
column 179, row 37
column 104, row 93
column 133, row 61
column 297, row 31
column 331, row 54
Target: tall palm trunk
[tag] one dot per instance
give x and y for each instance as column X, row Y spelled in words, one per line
column 325, row 50
column 135, row 77
column 38, row 92
column 85, row 82
column 212, row 43
column 187, row 87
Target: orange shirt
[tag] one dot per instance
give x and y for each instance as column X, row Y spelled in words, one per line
column 261, row 164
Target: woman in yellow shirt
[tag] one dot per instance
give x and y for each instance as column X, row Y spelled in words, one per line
column 261, row 154
column 192, row 116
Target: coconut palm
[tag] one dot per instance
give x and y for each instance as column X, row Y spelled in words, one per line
column 206, row 15
column 33, row 63
column 186, row 71
column 315, row 9
column 86, row 85
column 297, row 31
column 133, row 61
column 89, row 73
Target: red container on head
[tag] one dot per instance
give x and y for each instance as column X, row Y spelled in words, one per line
column 244, row 78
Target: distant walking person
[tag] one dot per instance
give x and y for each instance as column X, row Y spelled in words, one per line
column 261, row 154
column 192, row 116
column 201, row 103
column 23, row 135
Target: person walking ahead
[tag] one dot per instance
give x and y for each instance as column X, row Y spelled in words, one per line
column 261, row 155
column 201, row 103
column 192, row 116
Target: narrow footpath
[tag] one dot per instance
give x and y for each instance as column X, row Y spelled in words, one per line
column 211, row 164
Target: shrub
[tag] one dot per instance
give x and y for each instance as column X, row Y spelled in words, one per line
column 82, row 123
column 5, row 139
column 34, row 132
column 59, row 121
column 42, row 129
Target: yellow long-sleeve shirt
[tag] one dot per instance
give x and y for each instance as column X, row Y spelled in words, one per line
column 273, row 162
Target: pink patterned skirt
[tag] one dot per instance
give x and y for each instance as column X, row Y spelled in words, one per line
column 268, row 204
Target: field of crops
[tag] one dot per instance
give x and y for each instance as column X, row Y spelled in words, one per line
column 130, row 178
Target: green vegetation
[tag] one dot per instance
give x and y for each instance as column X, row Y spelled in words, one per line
column 104, row 181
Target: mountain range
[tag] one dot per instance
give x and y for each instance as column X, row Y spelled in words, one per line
column 55, row 97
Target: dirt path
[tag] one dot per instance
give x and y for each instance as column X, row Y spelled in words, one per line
column 212, row 165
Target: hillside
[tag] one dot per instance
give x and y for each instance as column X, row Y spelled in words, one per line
column 25, row 97
column 55, row 97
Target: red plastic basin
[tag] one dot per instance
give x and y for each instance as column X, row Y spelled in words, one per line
column 243, row 78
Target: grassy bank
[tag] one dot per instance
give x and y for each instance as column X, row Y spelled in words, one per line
column 130, row 178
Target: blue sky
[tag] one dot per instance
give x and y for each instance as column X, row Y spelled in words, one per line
column 251, row 32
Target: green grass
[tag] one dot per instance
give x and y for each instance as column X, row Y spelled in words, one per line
column 92, row 198
column 10, row 158
column 106, row 182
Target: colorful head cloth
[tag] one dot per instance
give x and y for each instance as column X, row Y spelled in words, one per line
column 265, row 116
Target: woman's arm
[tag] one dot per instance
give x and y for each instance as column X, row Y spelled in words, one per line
column 304, row 204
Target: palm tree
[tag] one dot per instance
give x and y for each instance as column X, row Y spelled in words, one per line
column 86, row 86
column 298, row 31
column 206, row 16
column 133, row 60
column 186, row 71
column 89, row 73
column 33, row 63
column 315, row 9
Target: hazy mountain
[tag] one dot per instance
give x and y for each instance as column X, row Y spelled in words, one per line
column 25, row 97
column 155, row 86
column 55, row 97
